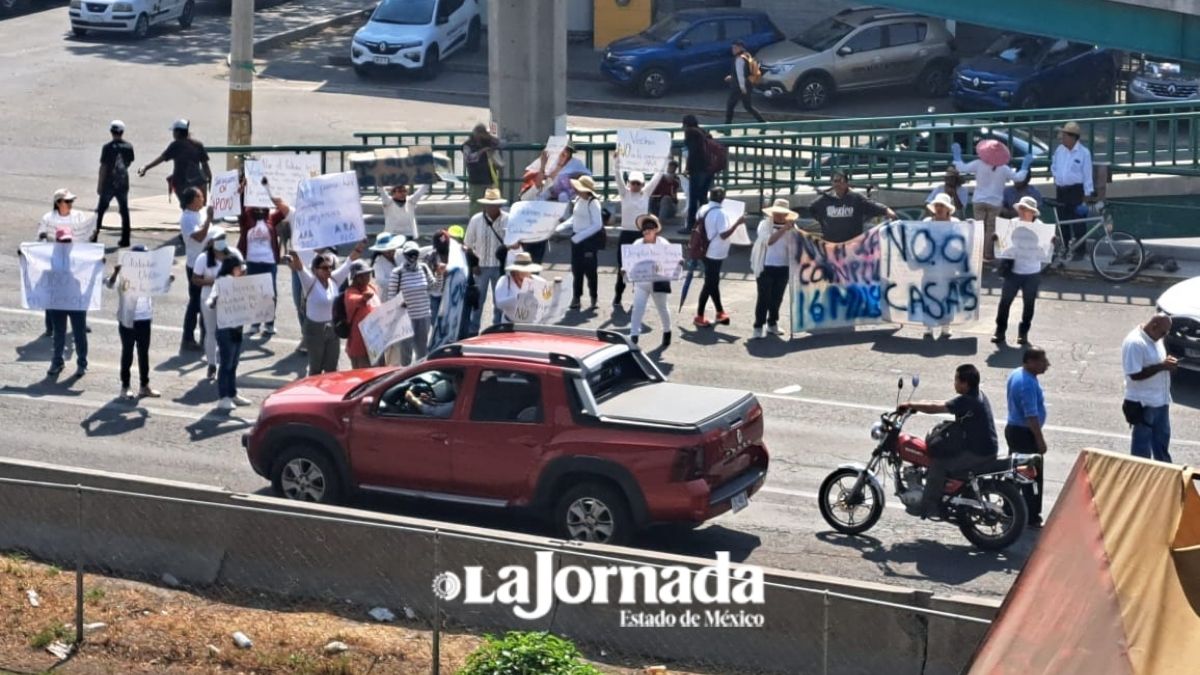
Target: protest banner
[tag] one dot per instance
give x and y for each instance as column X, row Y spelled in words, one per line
column 448, row 322
column 147, row 272
column 245, row 300
column 836, row 286
column 542, row 301
column 645, row 150
column 65, row 276
column 328, row 212
column 647, row 264
column 533, row 221
column 1018, row 239
column 378, row 169
column 386, row 325
column 933, row 271
column 224, row 198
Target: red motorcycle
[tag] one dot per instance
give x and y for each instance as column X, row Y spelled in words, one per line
column 984, row 500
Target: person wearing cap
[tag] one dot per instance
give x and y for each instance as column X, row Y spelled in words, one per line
column 229, row 340
column 116, row 158
column 400, row 209
column 651, row 229
column 635, row 202
column 61, row 214
column 991, row 177
column 1026, row 276
column 942, row 211
column 190, row 159
column 412, row 279
column 205, row 269
column 1071, row 166
column 587, row 224
column 135, row 312
column 383, row 260
column 719, row 230
column 952, row 185
column 483, row 167
column 320, row 282
column 485, row 238
column 774, row 248
column 259, row 242
column 842, row 212
column 362, row 297
column 508, row 291
column 58, row 318
column 739, row 82
column 195, row 227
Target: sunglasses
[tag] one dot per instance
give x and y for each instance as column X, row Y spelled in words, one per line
column 323, row 267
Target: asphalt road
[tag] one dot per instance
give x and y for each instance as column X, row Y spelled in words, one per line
column 821, row 394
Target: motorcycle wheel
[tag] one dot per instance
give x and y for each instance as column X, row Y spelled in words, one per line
column 844, row 513
column 995, row 531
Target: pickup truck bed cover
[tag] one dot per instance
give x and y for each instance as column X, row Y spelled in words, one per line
column 671, row 403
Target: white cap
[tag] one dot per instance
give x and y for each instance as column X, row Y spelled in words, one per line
column 116, row 125
column 180, row 124
column 637, row 177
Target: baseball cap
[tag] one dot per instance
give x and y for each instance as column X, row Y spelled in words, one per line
column 181, row 124
column 359, row 267
column 116, row 126
column 63, row 194
column 456, row 231
column 63, row 233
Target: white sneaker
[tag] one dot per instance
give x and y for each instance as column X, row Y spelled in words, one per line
column 226, row 404
column 928, row 334
column 242, row 400
column 757, row 334
column 127, row 394
column 773, row 329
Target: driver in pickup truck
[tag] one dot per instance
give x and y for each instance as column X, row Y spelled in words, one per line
column 426, row 404
column 972, row 410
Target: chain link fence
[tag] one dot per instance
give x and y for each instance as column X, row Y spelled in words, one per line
column 128, row 581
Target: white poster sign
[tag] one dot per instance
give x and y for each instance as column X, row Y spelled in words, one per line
column 645, row 150
column 224, row 198
column 328, row 212
column 533, row 221
column 933, row 272
column 285, row 172
column 147, row 272
column 256, row 194
column 541, row 301
column 647, row 264
column 65, row 276
column 1016, row 239
column 245, row 300
column 735, row 209
column 386, row 325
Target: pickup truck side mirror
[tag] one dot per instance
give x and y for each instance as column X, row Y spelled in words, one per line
column 683, row 43
column 368, row 404
column 845, row 50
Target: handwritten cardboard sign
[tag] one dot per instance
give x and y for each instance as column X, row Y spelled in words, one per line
column 933, row 271
column 837, row 286
column 328, row 212
column 532, row 221
column 245, row 300
column 381, row 168
column 256, row 195
column 645, row 150
column 1016, row 239
column 386, row 325
column 541, row 301
column 65, row 276
column 224, row 198
column 147, row 272
column 284, row 173
column 649, row 263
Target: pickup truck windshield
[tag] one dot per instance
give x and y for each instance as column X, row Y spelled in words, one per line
column 616, row 375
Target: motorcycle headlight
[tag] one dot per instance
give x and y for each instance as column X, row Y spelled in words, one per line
column 877, row 431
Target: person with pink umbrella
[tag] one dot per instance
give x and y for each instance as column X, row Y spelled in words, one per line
column 992, row 174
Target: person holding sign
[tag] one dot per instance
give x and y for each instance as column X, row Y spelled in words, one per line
column 587, row 222
column 485, row 238
column 516, row 280
column 719, row 230
column 259, row 242
column 319, row 288
column 383, row 260
column 400, row 209
column 770, row 259
column 1026, row 275
column 58, row 319
column 229, row 341
column 60, row 215
column 205, row 270
column 656, row 290
column 412, row 279
column 134, row 315
column 635, row 203
column 362, row 298
column 943, row 210
column 195, row 230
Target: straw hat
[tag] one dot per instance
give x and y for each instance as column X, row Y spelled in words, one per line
column 645, row 219
column 1071, row 128
column 386, row 241
column 1029, row 204
column 523, row 262
column 492, row 197
column 942, row 199
column 584, row 184
column 781, row 207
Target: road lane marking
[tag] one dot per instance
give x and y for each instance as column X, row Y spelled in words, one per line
column 790, row 389
column 93, row 321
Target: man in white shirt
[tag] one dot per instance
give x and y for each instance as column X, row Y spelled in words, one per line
column 1148, row 388
column 635, row 203
column 1071, row 167
column 400, row 210
column 485, row 238
column 989, row 191
column 719, row 230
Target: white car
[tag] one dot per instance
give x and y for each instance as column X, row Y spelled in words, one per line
column 128, row 16
column 416, row 35
column 1181, row 302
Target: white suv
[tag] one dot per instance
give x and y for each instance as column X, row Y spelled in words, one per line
column 416, row 35
column 128, row 16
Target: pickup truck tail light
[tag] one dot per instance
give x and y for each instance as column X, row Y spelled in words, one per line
column 689, row 464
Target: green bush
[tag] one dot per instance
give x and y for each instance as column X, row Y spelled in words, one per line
column 521, row 653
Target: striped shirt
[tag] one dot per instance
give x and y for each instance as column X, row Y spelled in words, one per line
column 413, row 282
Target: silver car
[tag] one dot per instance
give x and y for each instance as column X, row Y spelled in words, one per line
column 1161, row 82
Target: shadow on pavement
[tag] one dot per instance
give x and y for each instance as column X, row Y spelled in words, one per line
column 48, row 386
column 934, row 560
column 115, row 418
column 1005, row 356
column 932, row 348
column 216, row 423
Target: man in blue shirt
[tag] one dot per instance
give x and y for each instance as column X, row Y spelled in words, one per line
column 1026, row 415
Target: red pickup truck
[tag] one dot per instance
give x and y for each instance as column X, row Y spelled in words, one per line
column 576, row 425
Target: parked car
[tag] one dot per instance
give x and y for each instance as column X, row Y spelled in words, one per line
column 1162, row 82
column 689, row 46
column 416, row 35
column 578, row 426
column 859, row 49
column 1026, row 71
column 135, row 17
column 1181, row 302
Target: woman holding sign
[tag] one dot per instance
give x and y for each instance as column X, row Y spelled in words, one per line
column 229, row 341
column 361, row 299
column 259, row 243
column 942, row 207
column 635, row 203
column 1025, row 276
column 205, row 269
column 656, row 290
column 134, row 316
column 516, row 278
column 319, row 287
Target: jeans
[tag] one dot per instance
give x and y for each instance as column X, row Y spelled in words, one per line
column 987, row 213
column 699, row 183
column 1069, row 198
column 297, row 297
column 229, row 342
column 1022, row 440
column 536, row 250
column 736, row 95
column 627, row 237
column 49, row 322
column 772, row 286
column 106, row 198
column 642, row 293
column 935, row 479
column 323, row 346
column 418, row 344
column 712, row 287
column 583, row 266
column 78, row 319
column 435, row 306
column 485, row 281
column 273, row 270
column 1151, row 438
column 1027, row 284
column 192, row 313
column 137, row 338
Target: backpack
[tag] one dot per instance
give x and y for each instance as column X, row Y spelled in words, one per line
column 119, row 178
column 717, row 155
column 698, row 242
column 947, row 439
column 753, row 69
column 341, row 322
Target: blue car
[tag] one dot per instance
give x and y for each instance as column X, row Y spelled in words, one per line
column 691, row 45
column 1026, row 71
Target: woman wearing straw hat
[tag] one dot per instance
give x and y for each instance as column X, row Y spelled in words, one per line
column 770, row 260
column 635, row 203
column 587, row 223
column 657, row 291
column 383, row 260
column 1026, row 275
column 508, row 290
column 942, row 208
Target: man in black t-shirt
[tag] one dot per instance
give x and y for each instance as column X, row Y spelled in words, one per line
column 842, row 212
column 191, row 161
column 972, row 410
column 116, row 158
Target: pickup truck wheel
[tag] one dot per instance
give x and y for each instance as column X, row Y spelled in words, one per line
column 303, row 473
column 593, row 512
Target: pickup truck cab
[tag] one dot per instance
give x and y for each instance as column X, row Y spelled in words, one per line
column 578, row 426
column 135, row 17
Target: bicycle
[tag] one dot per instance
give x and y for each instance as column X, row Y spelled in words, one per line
column 1116, row 256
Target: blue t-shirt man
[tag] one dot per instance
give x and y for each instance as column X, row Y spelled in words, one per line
column 1026, row 402
column 1025, row 398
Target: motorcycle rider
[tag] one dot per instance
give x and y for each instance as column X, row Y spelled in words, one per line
column 972, row 410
